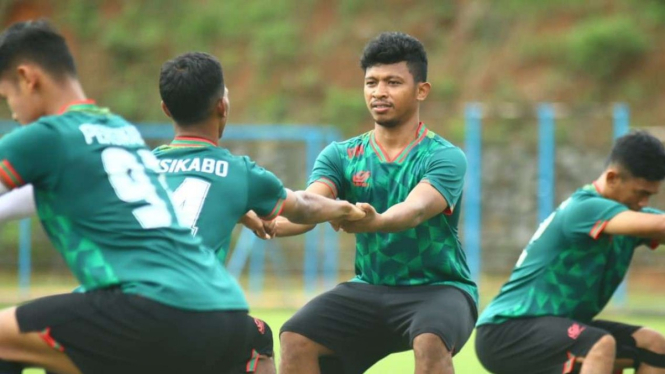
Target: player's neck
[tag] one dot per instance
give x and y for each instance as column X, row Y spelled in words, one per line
column 196, row 131
column 60, row 95
column 600, row 185
column 394, row 139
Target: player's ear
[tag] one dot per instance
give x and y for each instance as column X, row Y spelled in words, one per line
column 166, row 110
column 423, row 90
column 28, row 77
column 221, row 108
column 612, row 177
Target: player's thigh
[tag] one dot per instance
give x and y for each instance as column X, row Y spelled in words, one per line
column 347, row 321
column 542, row 345
column 29, row 348
column 339, row 318
column 444, row 311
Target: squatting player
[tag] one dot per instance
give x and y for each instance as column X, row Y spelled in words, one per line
column 157, row 300
column 543, row 320
column 412, row 288
column 213, row 187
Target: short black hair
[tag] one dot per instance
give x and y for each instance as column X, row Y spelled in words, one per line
column 641, row 154
column 394, row 47
column 190, row 85
column 37, row 42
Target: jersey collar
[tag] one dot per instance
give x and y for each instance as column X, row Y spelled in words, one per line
column 421, row 132
column 191, row 141
column 78, row 105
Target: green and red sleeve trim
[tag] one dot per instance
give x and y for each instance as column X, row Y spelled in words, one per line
column 277, row 210
column 9, row 176
column 597, row 229
column 330, row 184
column 253, row 362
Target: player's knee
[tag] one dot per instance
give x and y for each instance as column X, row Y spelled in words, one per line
column 651, row 340
column 294, row 345
column 429, row 348
column 266, row 365
column 605, row 346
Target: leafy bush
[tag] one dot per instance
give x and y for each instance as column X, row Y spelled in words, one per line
column 604, row 47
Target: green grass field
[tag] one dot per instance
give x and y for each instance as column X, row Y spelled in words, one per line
column 465, row 361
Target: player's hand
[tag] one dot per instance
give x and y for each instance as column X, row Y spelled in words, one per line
column 262, row 229
column 355, row 213
column 371, row 222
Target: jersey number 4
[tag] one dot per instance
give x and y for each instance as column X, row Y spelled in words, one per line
column 189, row 198
column 131, row 184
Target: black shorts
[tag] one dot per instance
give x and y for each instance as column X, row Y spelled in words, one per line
column 363, row 323
column 107, row 331
column 545, row 345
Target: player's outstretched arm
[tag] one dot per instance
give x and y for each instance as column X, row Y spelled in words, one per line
column 309, row 208
column 423, row 203
column 284, row 227
column 17, row 204
column 643, row 225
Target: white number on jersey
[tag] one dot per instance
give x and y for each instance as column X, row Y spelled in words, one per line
column 189, row 198
column 131, row 184
column 541, row 229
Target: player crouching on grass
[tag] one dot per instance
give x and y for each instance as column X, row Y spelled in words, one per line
column 544, row 318
column 157, row 300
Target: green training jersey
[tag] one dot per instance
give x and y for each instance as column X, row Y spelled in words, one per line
column 570, row 268
column 358, row 170
column 108, row 212
column 214, row 188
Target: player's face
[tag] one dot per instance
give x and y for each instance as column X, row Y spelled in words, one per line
column 23, row 103
column 634, row 192
column 392, row 95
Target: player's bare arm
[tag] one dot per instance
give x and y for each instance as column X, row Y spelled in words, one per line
column 645, row 225
column 306, row 207
column 423, row 203
column 284, row 227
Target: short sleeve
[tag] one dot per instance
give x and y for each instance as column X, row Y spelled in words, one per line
column 266, row 192
column 590, row 216
column 30, row 154
column 445, row 172
column 328, row 169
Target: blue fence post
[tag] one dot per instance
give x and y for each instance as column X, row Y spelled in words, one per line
column 546, row 164
column 24, row 257
column 621, row 119
column 472, row 195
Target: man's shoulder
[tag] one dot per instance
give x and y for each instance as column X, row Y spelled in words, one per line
column 358, row 140
column 437, row 143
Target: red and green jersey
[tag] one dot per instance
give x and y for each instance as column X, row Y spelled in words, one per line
column 214, row 188
column 107, row 210
column 570, row 268
column 358, row 170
